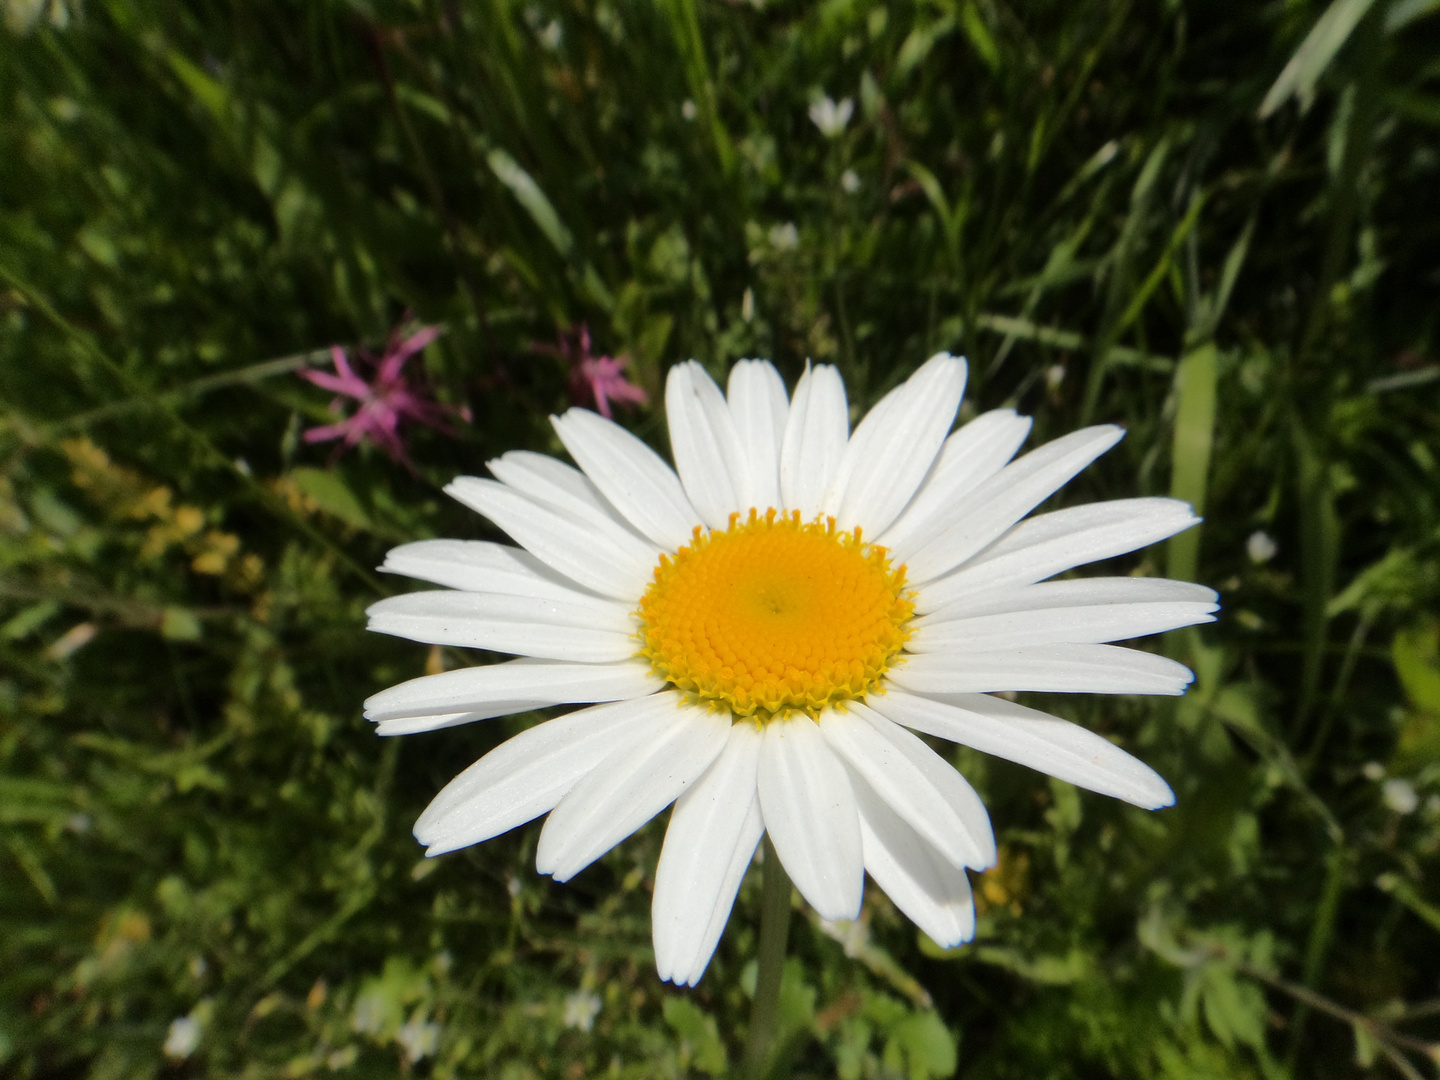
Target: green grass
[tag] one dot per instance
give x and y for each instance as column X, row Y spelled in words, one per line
column 198, row 199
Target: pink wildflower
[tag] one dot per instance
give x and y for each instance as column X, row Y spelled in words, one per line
column 595, row 380
column 386, row 400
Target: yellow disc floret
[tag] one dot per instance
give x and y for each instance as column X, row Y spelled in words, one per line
column 774, row 615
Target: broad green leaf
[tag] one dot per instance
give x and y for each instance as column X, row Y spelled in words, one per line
column 797, row 1000
column 331, row 494
column 29, row 619
column 1386, row 584
column 1234, row 1009
column 1403, row 12
column 1313, row 56
column 700, row 1032
column 979, row 34
column 1190, row 451
column 1045, row 970
column 527, row 192
column 925, row 1044
column 1416, row 655
column 178, row 624
column 208, row 91
column 918, row 44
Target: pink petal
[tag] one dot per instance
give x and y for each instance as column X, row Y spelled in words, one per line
column 395, row 358
column 625, row 391
column 418, row 340
column 349, row 385
column 342, row 362
column 326, row 433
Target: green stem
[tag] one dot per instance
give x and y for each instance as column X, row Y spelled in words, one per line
column 774, row 929
column 196, row 387
column 1322, row 933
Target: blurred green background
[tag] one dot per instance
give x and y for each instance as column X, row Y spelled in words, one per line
column 1217, row 224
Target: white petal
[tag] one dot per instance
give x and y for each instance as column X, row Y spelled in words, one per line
column 969, row 457
column 704, row 442
column 740, row 860
column 479, row 566
column 934, row 894
column 956, row 630
column 628, row 788
column 417, row 724
column 895, row 445
column 759, row 408
column 1029, row 737
column 986, row 513
column 526, row 776
column 634, row 478
column 809, row 810
column 1077, row 592
column 564, row 488
column 714, row 824
column 1070, row 669
column 585, row 554
column 1051, row 543
column 490, row 689
column 815, row 436
column 583, row 629
column 915, row 782
column 875, row 418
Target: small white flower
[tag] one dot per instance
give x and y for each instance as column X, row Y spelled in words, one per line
column 418, row 1038
column 688, row 110
column 784, row 237
column 1400, row 796
column 1054, row 376
column 368, row 1016
column 766, row 626
column 182, row 1038
column 1260, row 547
column 552, row 35
column 850, row 181
column 831, row 117
column 1372, row 770
column 581, row 1008
column 747, row 305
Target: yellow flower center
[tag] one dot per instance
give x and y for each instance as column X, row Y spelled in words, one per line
column 774, row 615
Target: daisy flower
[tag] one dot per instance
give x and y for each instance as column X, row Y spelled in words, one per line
column 761, row 631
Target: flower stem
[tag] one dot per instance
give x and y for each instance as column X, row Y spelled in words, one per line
column 774, row 929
